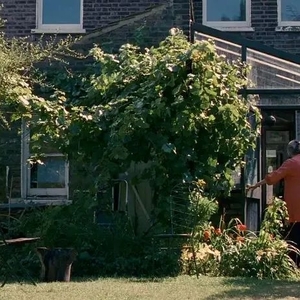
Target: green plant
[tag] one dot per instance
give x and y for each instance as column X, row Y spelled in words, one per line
column 174, row 107
column 236, row 251
column 102, row 251
column 19, row 60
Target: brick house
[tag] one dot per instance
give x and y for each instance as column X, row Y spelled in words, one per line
column 273, row 24
column 108, row 23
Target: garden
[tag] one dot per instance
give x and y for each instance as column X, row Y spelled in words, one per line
column 174, row 107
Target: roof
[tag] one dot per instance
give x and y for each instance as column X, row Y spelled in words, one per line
column 272, row 70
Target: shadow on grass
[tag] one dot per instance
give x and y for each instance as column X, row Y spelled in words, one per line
column 248, row 288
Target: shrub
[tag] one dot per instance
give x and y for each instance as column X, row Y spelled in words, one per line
column 235, row 251
column 111, row 250
column 102, row 251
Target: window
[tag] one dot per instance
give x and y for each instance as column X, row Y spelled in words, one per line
column 288, row 12
column 227, row 13
column 62, row 16
column 46, row 179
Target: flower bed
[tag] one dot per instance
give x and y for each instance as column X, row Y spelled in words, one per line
column 233, row 250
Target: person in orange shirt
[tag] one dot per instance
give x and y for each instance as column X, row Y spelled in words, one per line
column 289, row 171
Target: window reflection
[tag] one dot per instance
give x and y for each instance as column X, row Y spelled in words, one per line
column 290, row 10
column 61, row 11
column 226, row 10
column 51, row 174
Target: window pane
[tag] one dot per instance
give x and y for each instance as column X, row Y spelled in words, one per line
column 290, row 10
column 61, row 12
column 49, row 175
column 226, row 10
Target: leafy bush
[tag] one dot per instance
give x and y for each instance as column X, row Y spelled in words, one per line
column 106, row 250
column 187, row 208
column 235, row 251
column 166, row 106
column 102, row 251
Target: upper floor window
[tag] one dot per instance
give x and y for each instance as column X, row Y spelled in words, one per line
column 227, row 13
column 59, row 16
column 288, row 12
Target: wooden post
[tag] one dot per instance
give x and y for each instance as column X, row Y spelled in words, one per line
column 56, row 263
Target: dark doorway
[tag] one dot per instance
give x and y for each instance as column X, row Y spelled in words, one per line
column 277, row 130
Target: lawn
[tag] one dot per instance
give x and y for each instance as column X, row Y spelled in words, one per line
column 182, row 287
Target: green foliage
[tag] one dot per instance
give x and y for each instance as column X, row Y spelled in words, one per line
column 102, row 251
column 175, row 106
column 19, row 62
column 276, row 217
column 106, row 250
column 188, row 208
column 235, row 251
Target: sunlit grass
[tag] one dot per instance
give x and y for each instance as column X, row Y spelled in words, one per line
column 182, row 287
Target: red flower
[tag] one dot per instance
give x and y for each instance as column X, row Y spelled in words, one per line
column 241, row 227
column 218, row 231
column 206, row 235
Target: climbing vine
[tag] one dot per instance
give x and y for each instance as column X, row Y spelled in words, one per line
column 174, row 107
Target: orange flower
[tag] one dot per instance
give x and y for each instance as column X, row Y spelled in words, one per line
column 241, row 227
column 206, row 235
column 240, row 239
column 218, row 231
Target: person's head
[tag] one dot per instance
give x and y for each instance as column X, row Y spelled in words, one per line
column 293, row 148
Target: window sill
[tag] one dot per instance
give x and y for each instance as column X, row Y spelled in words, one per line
column 235, row 29
column 287, row 29
column 23, row 203
column 58, row 31
column 46, row 201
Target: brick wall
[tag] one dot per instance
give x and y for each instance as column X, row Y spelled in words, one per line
column 98, row 13
column 264, row 22
column 144, row 32
column 20, row 16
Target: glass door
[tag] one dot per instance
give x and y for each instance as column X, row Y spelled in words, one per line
column 276, row 142
column 275, row 139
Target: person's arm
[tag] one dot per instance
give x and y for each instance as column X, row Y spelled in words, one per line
column 255, row 186
column 275, row 176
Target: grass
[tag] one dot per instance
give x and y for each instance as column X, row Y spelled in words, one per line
column 183, row 287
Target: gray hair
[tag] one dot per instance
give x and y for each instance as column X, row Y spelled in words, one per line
column 293, row 148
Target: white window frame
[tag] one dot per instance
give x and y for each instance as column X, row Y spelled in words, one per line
column 42, row 193
column 284, row 23
column 56, row 28
column 230, row 25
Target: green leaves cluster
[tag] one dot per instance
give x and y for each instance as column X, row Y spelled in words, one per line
column 20, row 60
column 175, row 106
